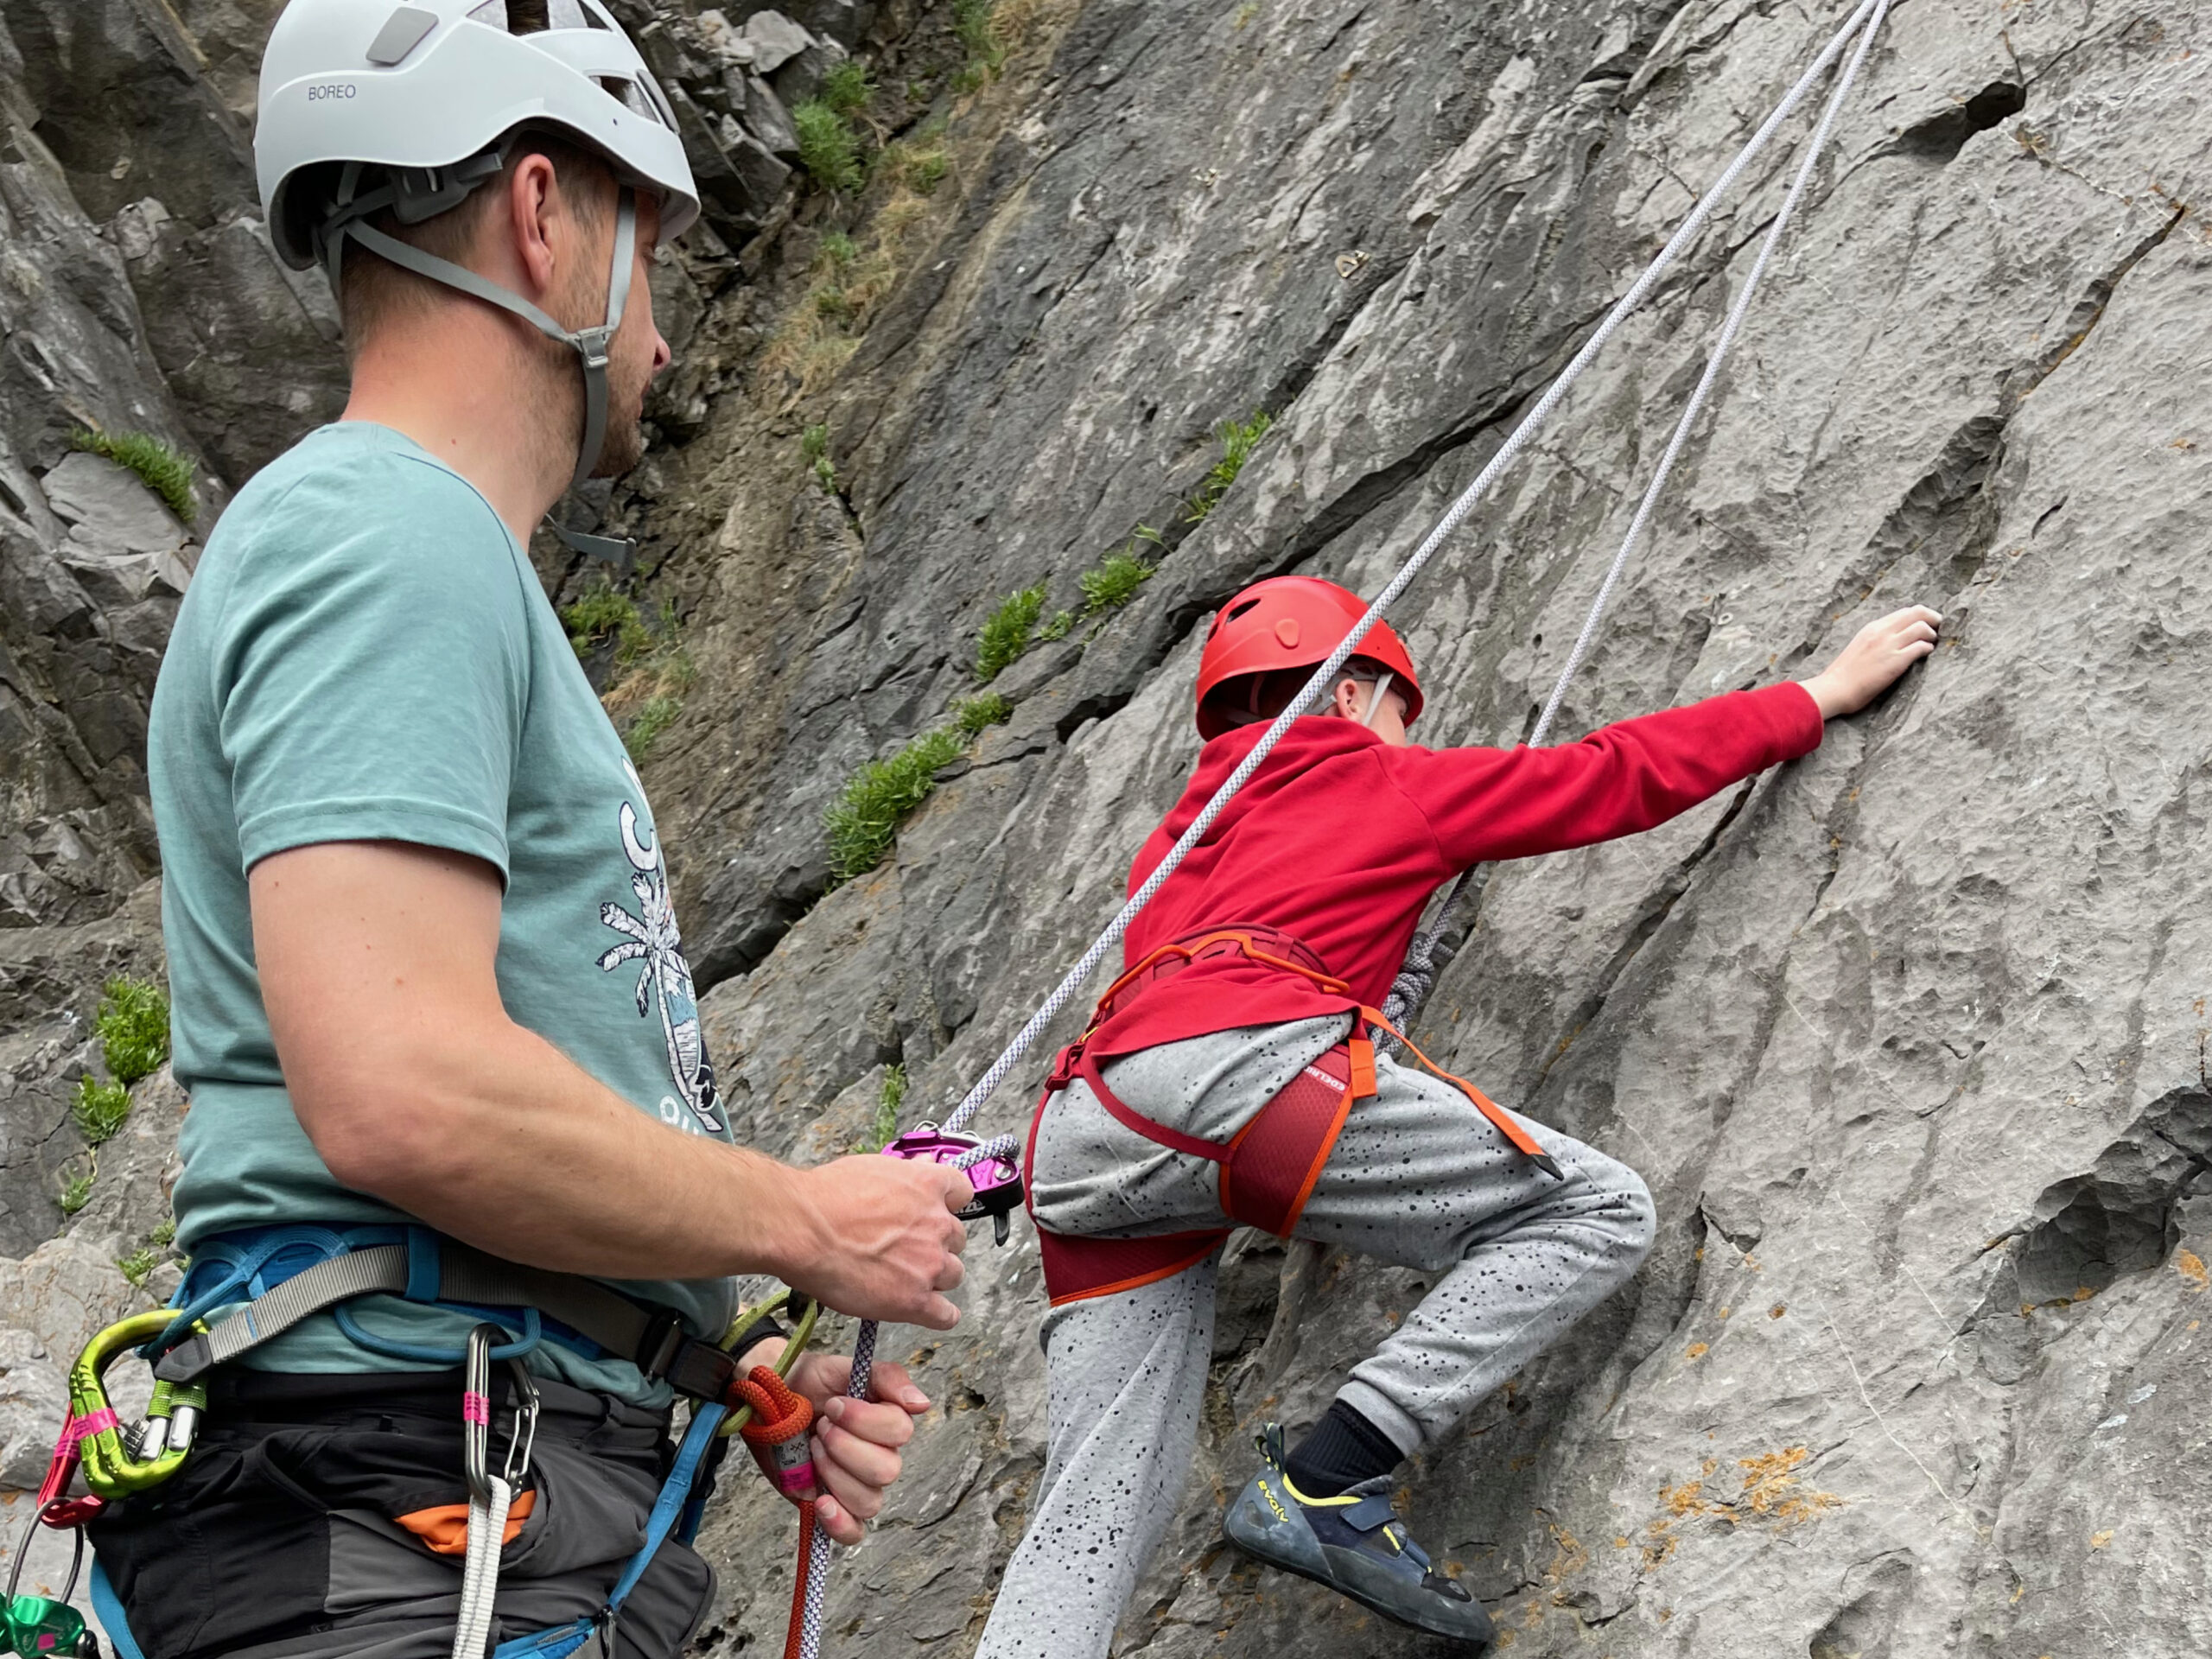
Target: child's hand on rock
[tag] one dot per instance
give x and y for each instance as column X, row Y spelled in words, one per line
column 1865, row 668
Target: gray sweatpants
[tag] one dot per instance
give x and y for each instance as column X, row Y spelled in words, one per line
column 1419, row 1177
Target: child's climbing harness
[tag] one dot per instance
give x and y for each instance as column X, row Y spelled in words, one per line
column 1864, row 23
column 1268, row 1170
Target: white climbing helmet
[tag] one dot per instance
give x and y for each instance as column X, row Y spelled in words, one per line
column 431, row 84
column 408, row 105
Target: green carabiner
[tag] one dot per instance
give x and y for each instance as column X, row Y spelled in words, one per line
column 740, row 1416
column 116, row 1467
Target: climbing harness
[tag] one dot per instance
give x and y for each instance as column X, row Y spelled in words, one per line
column 1267, row 1171
column 247, row 1288
column 1863, row 25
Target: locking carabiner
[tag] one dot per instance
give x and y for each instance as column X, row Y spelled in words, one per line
column 116, row 1466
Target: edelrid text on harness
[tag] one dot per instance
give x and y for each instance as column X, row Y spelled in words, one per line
column 1268, row 1168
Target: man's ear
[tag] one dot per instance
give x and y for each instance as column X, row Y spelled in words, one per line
column 534, row 205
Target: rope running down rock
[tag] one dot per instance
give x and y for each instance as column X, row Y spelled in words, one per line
column 1418, row 977
column 1522, row 435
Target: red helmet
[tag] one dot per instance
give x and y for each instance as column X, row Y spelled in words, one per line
column 1290, row 622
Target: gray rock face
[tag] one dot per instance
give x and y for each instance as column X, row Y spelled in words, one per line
column 1908, row 1037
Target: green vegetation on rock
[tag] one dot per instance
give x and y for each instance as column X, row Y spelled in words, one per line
column 602, row 612
column 977, row 28
column 99, row 1110
column 814, row 445
column 1237, row 440
column 1006, row 632
column 76, row 1193
column 133, row 1027
column 138, row 1264
column 1114, row 581
column 885, row 1130
column 828, row 144
column 164, row 470
column 976, row 714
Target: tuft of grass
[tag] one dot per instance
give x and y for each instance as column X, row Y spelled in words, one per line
column 163, row 1236
column 600, row 613
column 836, row 250
column 1237, row 440
column 655, row 716
column 865, row 820
column 976, row 714
column 99, row 1110
column 1114, row 581
column 133, row 1027
column 1006, row 632
column 976, row 29
column 1245, row 14
column 919, row 166
column 1060, row 628
column 885, row 1130
column 828, row 148
column 76, row 1193
column 139, row 1263
column 164, row 470
column 847, row 87
column 814, row 444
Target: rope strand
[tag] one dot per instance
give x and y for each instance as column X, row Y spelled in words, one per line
column 1522, row 435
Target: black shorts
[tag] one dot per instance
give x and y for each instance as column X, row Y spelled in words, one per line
column 279, row 1535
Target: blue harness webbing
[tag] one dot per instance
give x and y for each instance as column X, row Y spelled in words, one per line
column 246, row 1265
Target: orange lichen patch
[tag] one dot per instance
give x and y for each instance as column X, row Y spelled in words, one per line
column 1772, row 1491
column 1772, row 1494
column 1725, row 1313
column 2191, row 1266
column 1532, row 1615
column 1620, row 1541
column 2099, row 1540
column 1697, row 1351
column 1777, row 1310
column 2081, row 1294
column 1570, row 1557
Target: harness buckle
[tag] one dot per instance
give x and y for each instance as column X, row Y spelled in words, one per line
column 658, row 1348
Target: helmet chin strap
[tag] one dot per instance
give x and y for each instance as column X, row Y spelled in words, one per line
column 1375, row 701
column 415, row 197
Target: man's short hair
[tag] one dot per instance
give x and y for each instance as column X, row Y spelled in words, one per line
column 374, row 292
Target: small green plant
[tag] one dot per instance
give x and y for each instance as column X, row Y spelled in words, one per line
column 814, row 445
column 865, row 819
column 1237, row 440
column 836, row 250
column 1113, row 583
column 76, row 1193
column 99, row 1110
column 829, row 149
column 847, row 88
column 163, row 1236
column 600, row 613
column 1060, row 628
column 1007, row 631
column 133, row 1027
column 885, row 1130
column 136, row 1265
column 1245, row 14
column 974, row 27
column 977, row 714
column 656, row 716
column 163, row 470
column 921, row 168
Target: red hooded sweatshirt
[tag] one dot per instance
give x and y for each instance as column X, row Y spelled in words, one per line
column 1340, row 838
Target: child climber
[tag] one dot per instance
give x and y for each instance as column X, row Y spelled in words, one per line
column 1230, row 1078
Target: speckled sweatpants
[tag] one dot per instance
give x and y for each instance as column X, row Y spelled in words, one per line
column 1419, row 1177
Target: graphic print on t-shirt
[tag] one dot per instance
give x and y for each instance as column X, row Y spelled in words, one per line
column 664, row 980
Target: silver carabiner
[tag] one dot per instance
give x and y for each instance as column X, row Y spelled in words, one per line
column 476, row 1411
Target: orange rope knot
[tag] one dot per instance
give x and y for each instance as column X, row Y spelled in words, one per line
column 778, row 1432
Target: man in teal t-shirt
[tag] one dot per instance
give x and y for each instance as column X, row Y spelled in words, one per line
column 427, row 981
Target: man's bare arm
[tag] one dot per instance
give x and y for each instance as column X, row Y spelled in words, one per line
column 377, row 965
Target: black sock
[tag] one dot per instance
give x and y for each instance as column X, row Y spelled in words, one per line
column 1343, row 1450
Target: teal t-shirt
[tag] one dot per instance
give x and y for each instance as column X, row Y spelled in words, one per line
column 365, row 654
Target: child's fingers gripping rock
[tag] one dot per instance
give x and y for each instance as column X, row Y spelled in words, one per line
column 1879, row 652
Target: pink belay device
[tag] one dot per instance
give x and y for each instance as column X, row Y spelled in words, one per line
column 997, row 1181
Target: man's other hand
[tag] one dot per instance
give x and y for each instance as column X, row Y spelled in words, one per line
column 884, row 1243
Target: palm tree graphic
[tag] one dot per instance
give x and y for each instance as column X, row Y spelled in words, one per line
column 649, row 937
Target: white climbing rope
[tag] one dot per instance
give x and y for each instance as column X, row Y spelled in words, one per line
column 1419, row 975
column 1522, row 435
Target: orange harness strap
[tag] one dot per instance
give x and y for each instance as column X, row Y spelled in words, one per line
column 1502, row 1120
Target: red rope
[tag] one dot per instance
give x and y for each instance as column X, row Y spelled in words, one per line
column 795, row 1638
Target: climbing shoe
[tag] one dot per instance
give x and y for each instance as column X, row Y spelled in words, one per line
column 1354, row 1544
